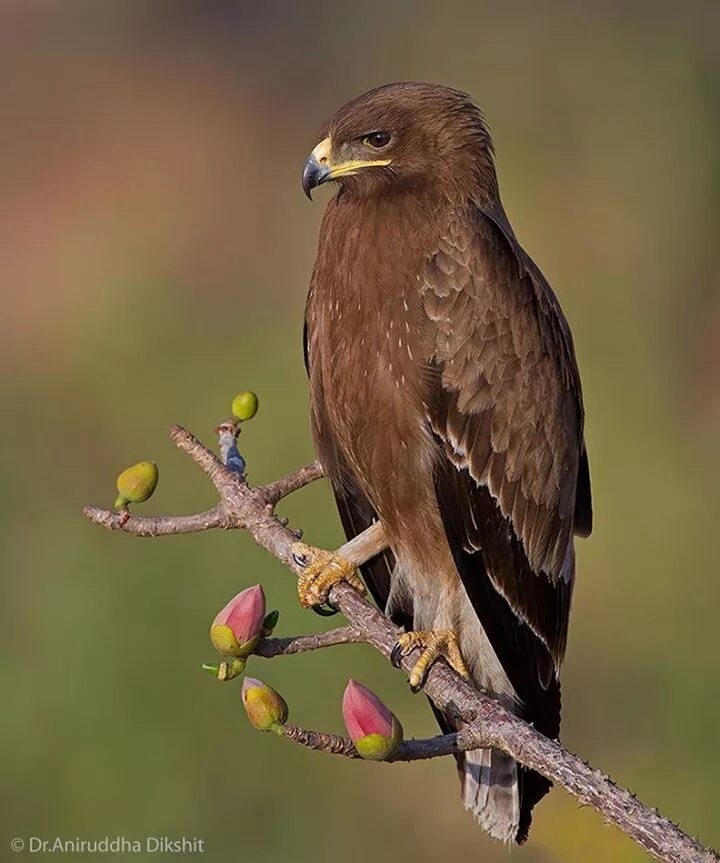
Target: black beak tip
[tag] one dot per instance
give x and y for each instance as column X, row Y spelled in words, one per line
column 313, row 175
column 309, row 175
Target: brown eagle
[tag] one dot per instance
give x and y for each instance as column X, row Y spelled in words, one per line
column 446, row 405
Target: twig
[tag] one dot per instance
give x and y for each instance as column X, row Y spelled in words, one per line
column 483, row 719
column 271, row 647
column 408, row 750
column 333, row 744
column 156, row 525
column 294, row 481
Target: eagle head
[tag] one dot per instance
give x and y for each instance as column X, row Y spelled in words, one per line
column 404, row 136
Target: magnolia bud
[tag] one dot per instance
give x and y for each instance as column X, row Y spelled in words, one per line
column 374, row 729
column 245, row 405
column 237, row 628
column 137, row 483
column 265, row 708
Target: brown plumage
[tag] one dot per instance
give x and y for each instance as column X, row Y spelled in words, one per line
column 445, row 401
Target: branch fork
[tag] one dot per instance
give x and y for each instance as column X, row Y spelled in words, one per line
column 483, row 721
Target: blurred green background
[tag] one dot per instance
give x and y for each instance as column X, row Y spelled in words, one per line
column 156, row 248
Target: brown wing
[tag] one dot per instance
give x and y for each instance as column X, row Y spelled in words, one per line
column 506, row 409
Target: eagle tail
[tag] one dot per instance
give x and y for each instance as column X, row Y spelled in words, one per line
column 491, row 791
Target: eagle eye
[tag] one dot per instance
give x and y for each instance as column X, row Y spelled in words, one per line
column 377, row 139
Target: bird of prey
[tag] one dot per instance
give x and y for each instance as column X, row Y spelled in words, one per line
column 446, row 408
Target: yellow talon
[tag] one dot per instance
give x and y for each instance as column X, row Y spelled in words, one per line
column 321, row 570
column 434, row 644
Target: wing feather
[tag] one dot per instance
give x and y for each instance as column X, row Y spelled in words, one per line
column 506, row 408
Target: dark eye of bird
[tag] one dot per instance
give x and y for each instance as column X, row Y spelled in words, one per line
column 378, row 139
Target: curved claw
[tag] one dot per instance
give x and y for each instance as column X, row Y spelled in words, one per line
column 320, row 571
column 415, row 688
column 325, row 610
column 433, row 644
column 396, row 655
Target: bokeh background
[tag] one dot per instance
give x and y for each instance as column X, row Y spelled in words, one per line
column 156, row 248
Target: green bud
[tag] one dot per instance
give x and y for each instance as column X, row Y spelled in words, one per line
column 224, row 641
column 378, row 747
column 266, row 709
column 137, row 483
column 245, row 405
column 270, row 622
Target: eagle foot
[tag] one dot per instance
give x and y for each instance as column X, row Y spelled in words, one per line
column 434, row 644
column 321, row 571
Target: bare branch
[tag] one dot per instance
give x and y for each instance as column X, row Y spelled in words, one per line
column 276, row 491
column 228, row 484
column 333, row 744
column 155, row 525
column 484, row 721
column 408, row 750
column 271, row 647
column 220, row 476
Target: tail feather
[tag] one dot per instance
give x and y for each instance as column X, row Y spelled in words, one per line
column 491, row 791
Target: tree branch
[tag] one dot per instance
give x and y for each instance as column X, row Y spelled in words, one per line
column 231, row 487
column 209, row 463
column 156, row 525
column 294, row 481
column 408, row 750
column 484, row 721
column 271, row 647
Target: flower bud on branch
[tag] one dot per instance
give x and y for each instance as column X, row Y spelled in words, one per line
column 236, row 629
column 137, row 483
column 373, row 728
column 265, row 708
column 245, row 405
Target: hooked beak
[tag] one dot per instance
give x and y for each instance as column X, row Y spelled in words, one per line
column 313, row 175
column 320, row 168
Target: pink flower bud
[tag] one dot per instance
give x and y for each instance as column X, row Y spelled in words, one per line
column 374, row 729
column 265, row 708
column 237, row 628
